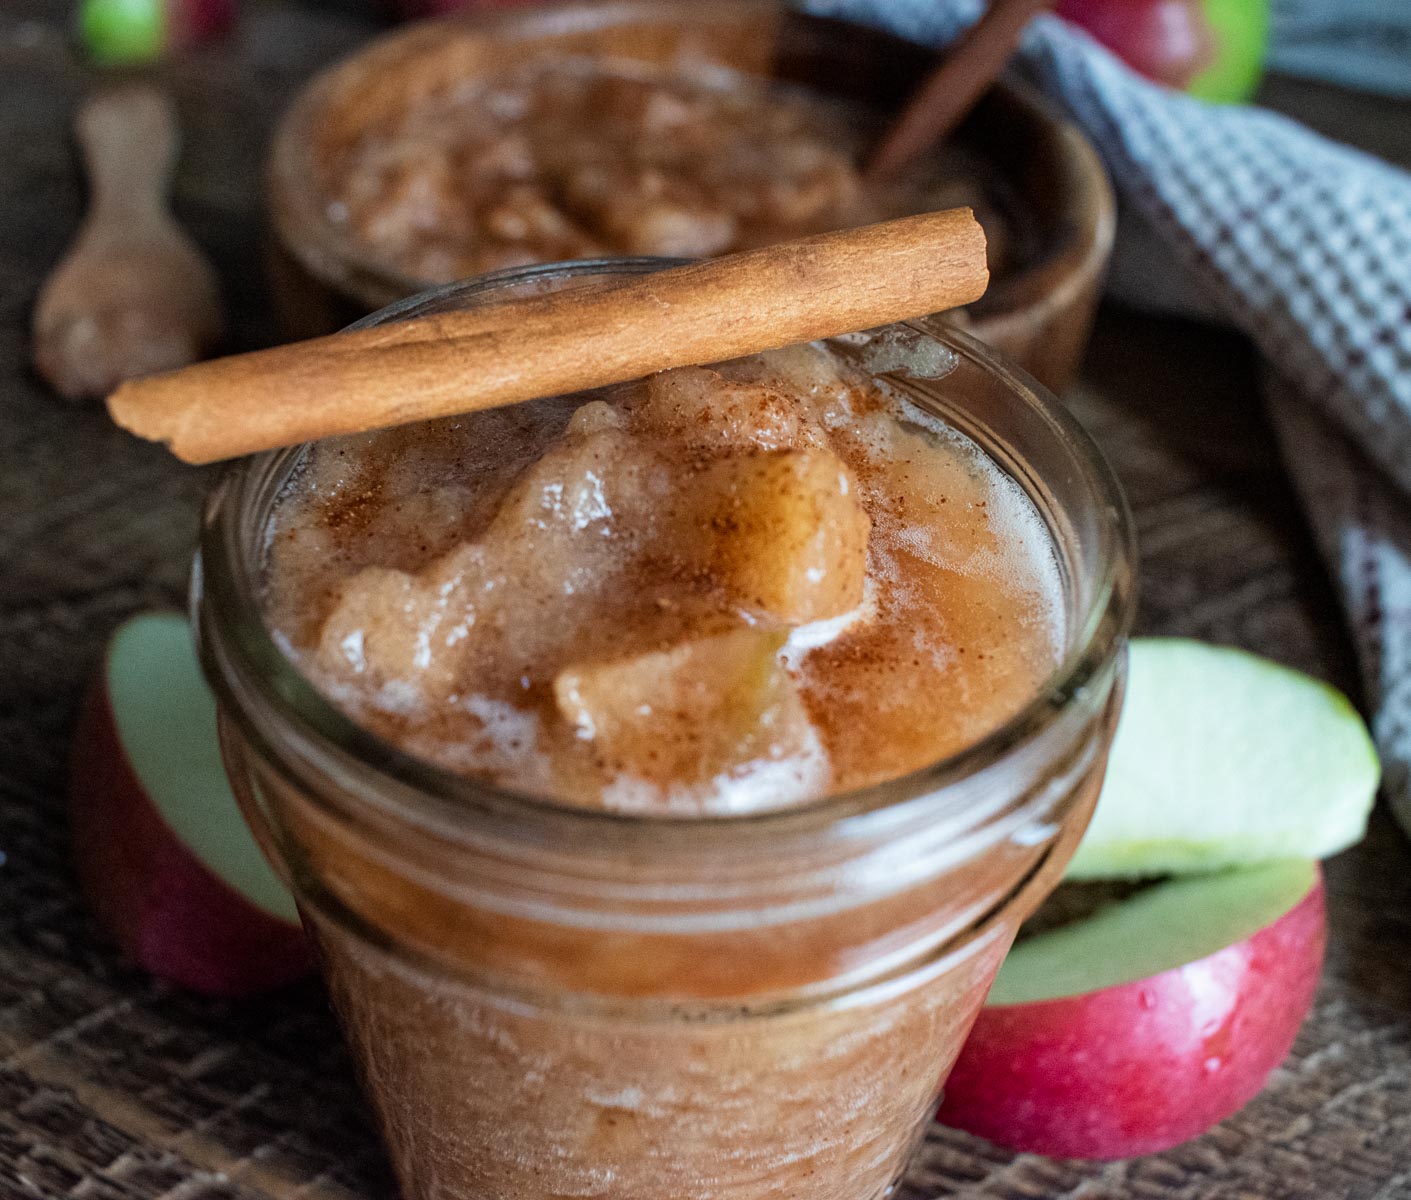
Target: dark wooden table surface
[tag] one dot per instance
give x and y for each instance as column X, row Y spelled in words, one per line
column 113, row 1086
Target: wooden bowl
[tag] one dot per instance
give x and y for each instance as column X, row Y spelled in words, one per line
column 1044, row 172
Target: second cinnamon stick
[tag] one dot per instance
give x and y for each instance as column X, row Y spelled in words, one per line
column 509, row 351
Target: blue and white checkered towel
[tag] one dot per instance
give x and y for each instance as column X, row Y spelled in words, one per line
column 1305, row 245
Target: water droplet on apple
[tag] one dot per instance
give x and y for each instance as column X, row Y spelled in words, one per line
column 1213, row 1064
column 1147, row 999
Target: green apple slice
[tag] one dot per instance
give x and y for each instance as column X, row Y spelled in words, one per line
column 1225, row 759
column 166, row 720
column 1160, row 928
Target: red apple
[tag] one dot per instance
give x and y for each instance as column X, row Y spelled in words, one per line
column 1212, row 48
column 1144, row 1025
column 127, row 32
column 163, row 855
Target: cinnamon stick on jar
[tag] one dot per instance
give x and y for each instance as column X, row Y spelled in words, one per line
column 520, row 349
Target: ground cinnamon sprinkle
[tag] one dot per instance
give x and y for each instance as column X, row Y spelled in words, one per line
column 645, row 598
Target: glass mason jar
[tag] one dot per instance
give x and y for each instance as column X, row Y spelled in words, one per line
column 547, row 1002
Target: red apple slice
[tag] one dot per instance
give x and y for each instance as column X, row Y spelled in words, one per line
column 1144, row 1025
column 163, row 854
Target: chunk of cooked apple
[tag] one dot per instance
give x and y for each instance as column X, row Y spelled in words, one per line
column 702, row 409
column 414, row 639
column 790, row 534
column 397, row 631
column 688, row 713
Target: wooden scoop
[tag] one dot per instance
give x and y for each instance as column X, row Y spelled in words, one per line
column 948, row 94
column 133, row 295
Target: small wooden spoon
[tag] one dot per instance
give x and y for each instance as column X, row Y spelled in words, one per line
column 951, row 90
column 133, row 295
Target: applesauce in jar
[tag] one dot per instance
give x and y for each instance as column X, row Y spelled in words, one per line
column 720, row 589
column 664, row 771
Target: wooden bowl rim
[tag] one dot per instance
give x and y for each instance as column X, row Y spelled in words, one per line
column 1032, row 297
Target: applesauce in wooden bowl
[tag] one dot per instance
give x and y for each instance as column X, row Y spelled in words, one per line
column 499, row 139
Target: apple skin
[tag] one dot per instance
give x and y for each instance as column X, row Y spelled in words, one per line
column 1165, row 40
column 165, row 909
column 196, row 21
column 1212, row 48
column 1140, row 1067
column 127, row 32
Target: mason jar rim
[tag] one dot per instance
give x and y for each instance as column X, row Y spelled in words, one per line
column 233, row 637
